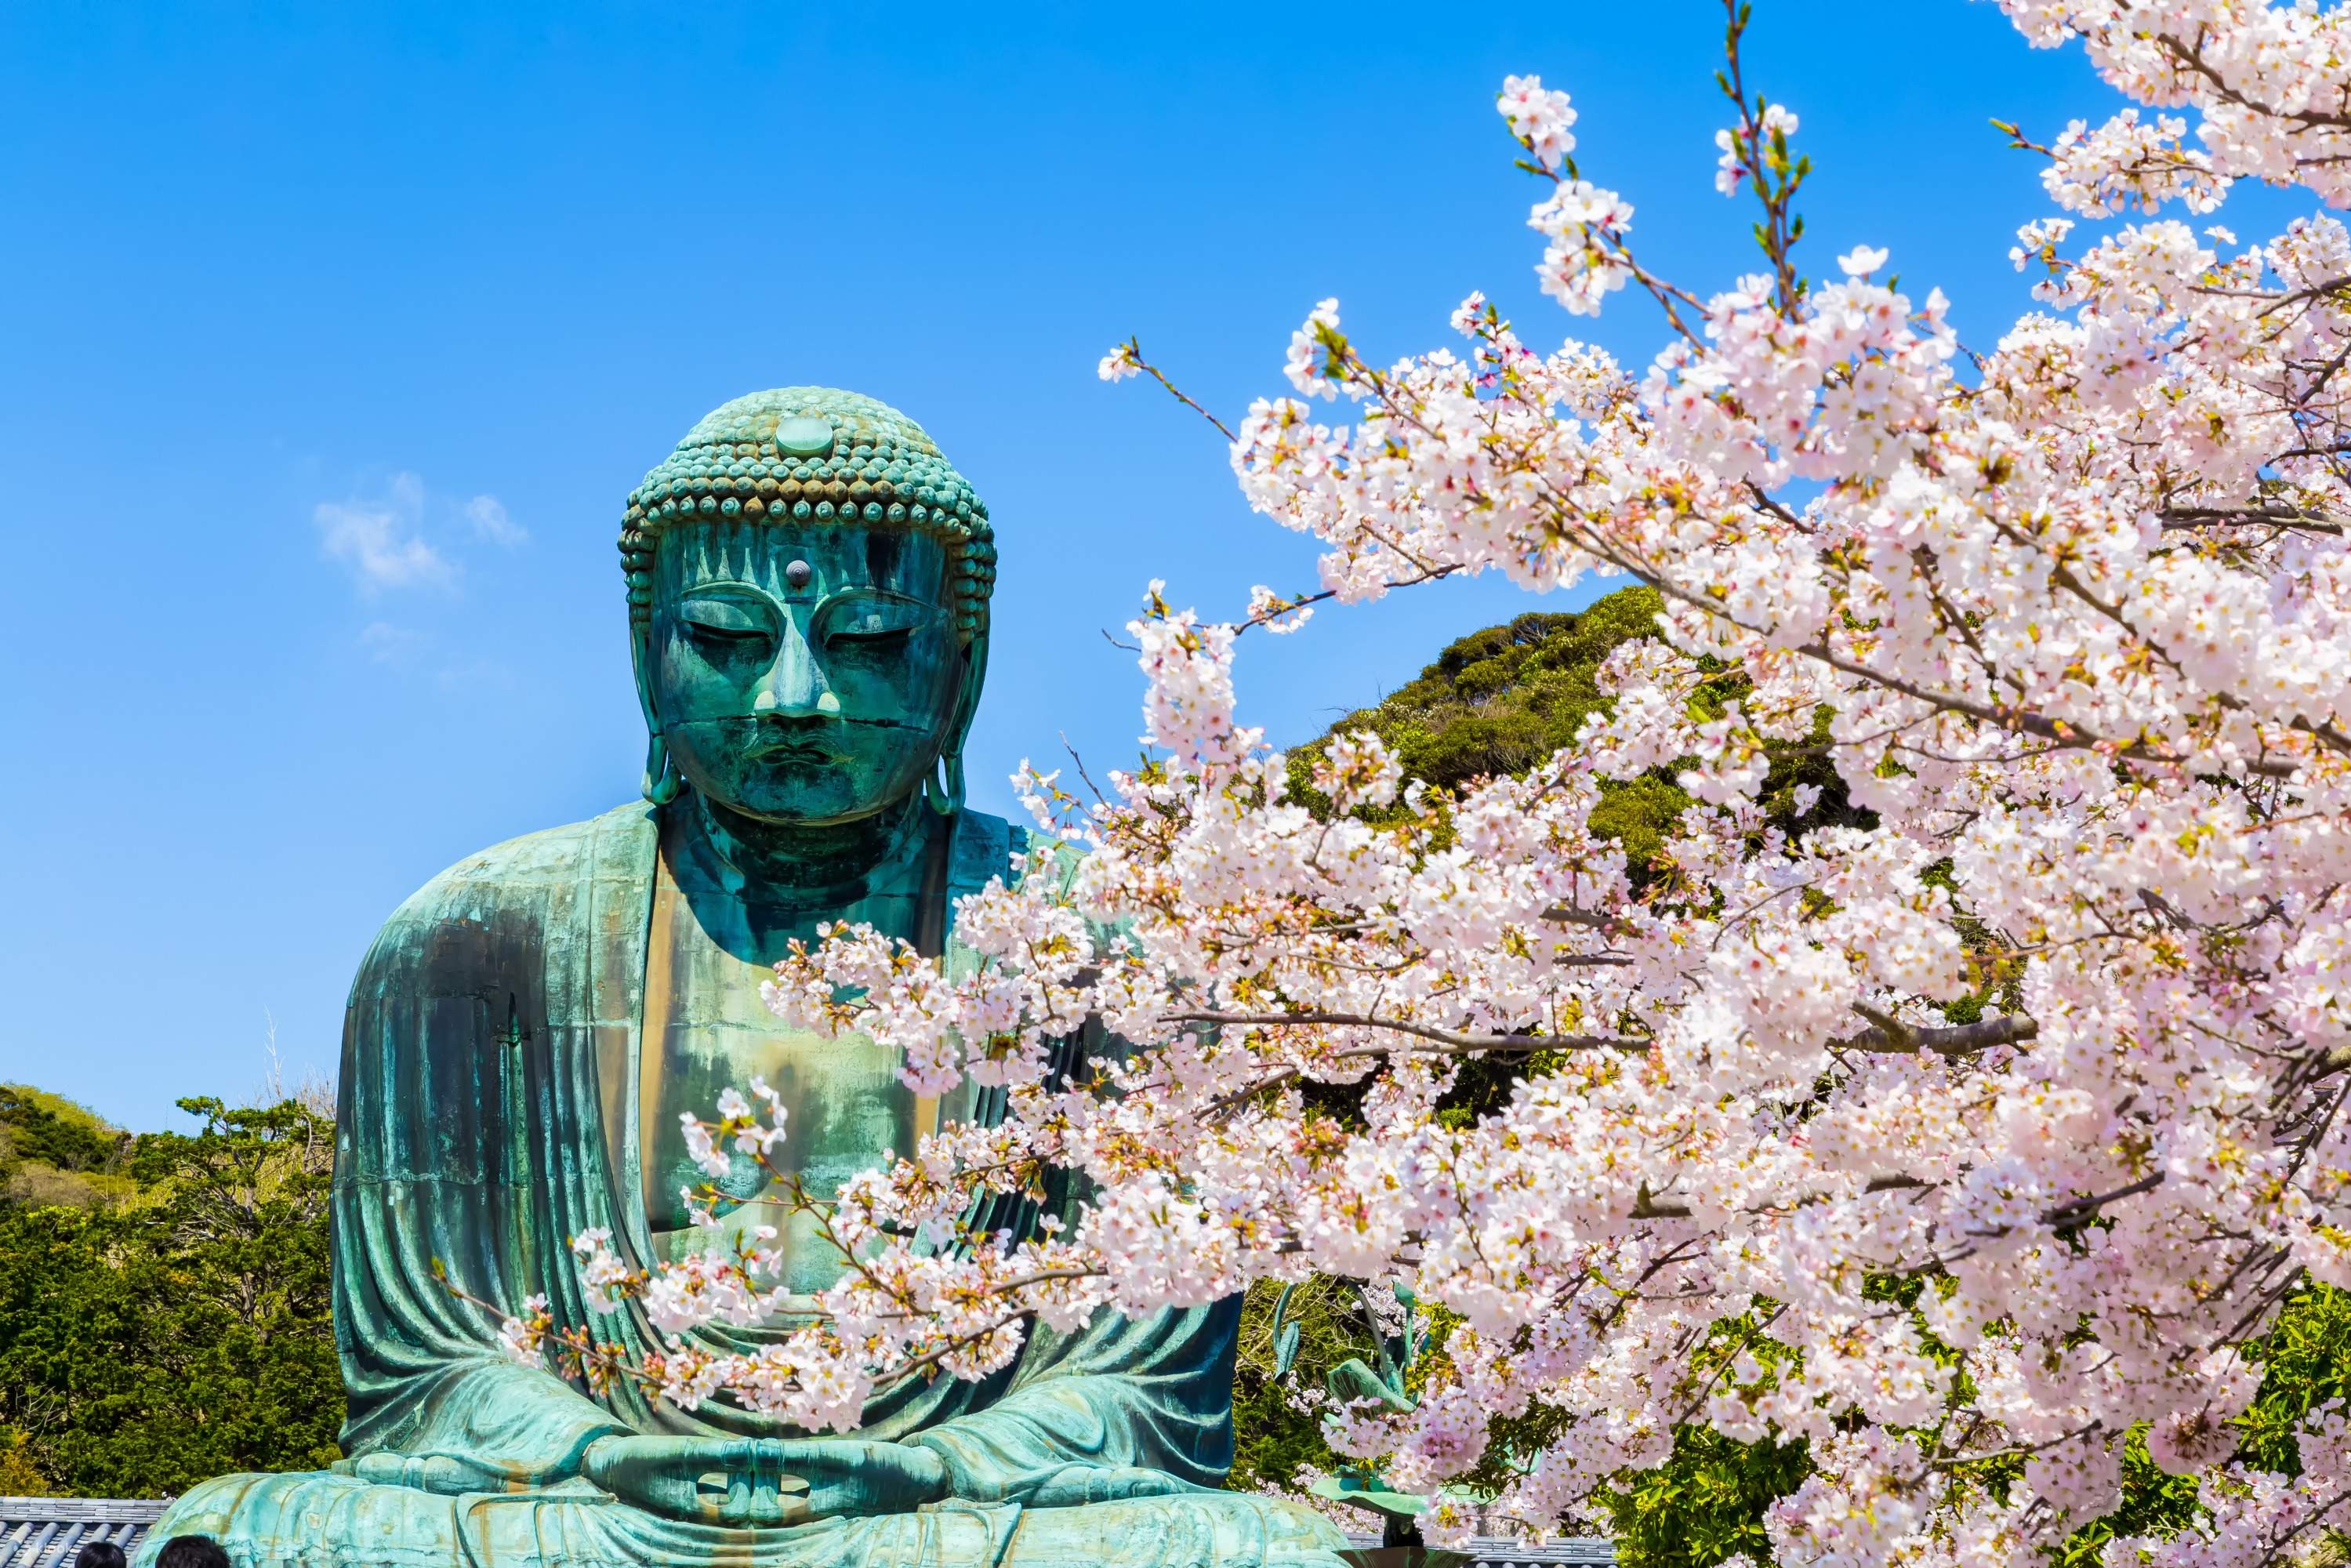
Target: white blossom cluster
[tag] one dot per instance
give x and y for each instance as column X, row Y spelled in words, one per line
column 2070, row 620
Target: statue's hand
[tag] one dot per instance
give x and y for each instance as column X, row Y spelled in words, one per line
column 755, row 1481
column 852, row 1476
column 718, row 1480
column 1074, row 1484
column 444, row 1473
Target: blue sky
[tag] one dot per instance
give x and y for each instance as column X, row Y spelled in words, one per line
column 332, row 337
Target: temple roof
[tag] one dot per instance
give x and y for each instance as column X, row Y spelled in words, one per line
column 48, row 1531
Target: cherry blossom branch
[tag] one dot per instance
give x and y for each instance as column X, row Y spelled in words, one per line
column 1885, row 1036
column 1457, row 1039
column 1127, row 359
column 1760, row 145
column 2271, row 514
column 1889, row 1036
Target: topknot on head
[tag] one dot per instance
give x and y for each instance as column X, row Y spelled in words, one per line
column 813, row 455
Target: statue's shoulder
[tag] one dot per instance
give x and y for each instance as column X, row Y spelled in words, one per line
column 1040, row 858
column 526, row 877
column 989, row 848
column 1036, row 854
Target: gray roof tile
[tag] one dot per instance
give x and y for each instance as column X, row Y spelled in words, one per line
column 49, row 1531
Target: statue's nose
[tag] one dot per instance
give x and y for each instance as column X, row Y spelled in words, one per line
column 794, row 685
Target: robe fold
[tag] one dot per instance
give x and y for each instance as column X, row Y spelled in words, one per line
column 488, row 1114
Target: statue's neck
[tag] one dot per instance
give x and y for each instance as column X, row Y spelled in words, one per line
column 825, row 865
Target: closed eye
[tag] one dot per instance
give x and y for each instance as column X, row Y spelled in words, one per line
column 715, row 621
column 869, row 617
column 704, row 631
column 867, row 629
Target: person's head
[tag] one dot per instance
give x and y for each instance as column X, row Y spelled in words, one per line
column 100, row 1554
column 807, row 593
column 192, row 1552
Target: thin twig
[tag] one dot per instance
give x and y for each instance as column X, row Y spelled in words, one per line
column 1134, row 350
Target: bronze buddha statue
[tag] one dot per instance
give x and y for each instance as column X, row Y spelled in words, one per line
column 809, row 585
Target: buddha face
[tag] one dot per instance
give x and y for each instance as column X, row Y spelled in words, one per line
column 802, row 674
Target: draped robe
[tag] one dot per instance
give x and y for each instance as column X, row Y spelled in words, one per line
column 492, row 1040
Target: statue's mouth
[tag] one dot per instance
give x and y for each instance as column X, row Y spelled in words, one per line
column 792, row 749
column 790, row 742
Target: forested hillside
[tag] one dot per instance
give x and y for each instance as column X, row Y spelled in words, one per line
column 163, row 1298
column 53, row 1151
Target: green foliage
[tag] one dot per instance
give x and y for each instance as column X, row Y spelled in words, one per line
column 1271, row 1437
column 57, row 1132
column 18, row 1476
column 54, row 1151
column 1498, row 701
column 1704, row 1504
column 2306, row 1360
column 187, row 1332
column 1707, row 1500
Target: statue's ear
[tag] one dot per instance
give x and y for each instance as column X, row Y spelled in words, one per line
column 943, row 789
column 967, row 704
column 641, row 661
column 662, row 780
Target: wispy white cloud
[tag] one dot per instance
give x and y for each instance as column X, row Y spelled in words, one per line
column 389, row 644
column 475, row 675
column 488, row 516
column 418, row 653
column 380, row 540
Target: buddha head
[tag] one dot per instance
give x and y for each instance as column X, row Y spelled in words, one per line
column 807, row 604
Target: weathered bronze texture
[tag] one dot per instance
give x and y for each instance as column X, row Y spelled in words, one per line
column 808, row 589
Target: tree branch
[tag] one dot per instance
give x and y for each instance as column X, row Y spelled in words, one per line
column 2179, row 519
column 1457, row 1039
column 1886, row 1036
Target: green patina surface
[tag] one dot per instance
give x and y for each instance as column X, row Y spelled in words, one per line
column 808, row 583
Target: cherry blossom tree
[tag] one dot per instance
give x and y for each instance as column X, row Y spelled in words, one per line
column 1964, row 1132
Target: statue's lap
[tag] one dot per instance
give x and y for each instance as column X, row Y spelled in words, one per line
column 322, row 1519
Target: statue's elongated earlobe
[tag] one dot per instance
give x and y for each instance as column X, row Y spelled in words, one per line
column 943, row 791
column 662, row 780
